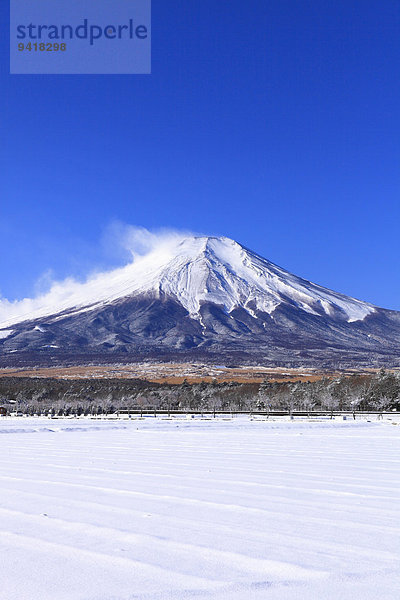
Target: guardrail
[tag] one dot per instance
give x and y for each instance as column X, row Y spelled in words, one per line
column 275, row 413
column 154, row 413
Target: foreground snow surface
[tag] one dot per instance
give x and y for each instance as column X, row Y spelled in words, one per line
column 181, row 509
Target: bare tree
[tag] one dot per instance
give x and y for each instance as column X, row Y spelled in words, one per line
column 329, row 402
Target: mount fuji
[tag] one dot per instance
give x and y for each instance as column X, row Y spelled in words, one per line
column 198, row 298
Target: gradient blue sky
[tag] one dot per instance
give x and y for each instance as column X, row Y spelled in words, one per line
column 274, row 122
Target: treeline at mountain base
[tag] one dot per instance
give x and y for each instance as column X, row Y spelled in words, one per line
column 60, row 397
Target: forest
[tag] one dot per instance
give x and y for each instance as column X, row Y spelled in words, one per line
column 378, row 392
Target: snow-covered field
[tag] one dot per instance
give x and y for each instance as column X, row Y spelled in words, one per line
column 181, row 509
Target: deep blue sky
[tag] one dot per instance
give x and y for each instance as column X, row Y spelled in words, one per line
column 274, row 122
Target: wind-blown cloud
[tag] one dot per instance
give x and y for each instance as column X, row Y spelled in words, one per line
column 136, row 244
column 139, row 241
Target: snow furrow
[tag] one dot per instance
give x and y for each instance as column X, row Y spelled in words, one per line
column 243, row 512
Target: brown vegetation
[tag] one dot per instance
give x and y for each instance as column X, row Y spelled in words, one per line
column 172, row 373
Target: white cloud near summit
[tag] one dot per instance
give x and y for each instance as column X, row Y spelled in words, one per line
column 130, row 242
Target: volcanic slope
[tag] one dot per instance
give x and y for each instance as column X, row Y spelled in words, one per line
column 202, row 298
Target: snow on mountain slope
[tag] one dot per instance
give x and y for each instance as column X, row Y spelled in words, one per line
column 192, row 270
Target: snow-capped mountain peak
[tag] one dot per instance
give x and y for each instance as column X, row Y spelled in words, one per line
column 221, row 271
column 193, row 270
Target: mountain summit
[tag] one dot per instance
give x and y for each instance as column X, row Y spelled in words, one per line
column 221, row 271
column 201, row 297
